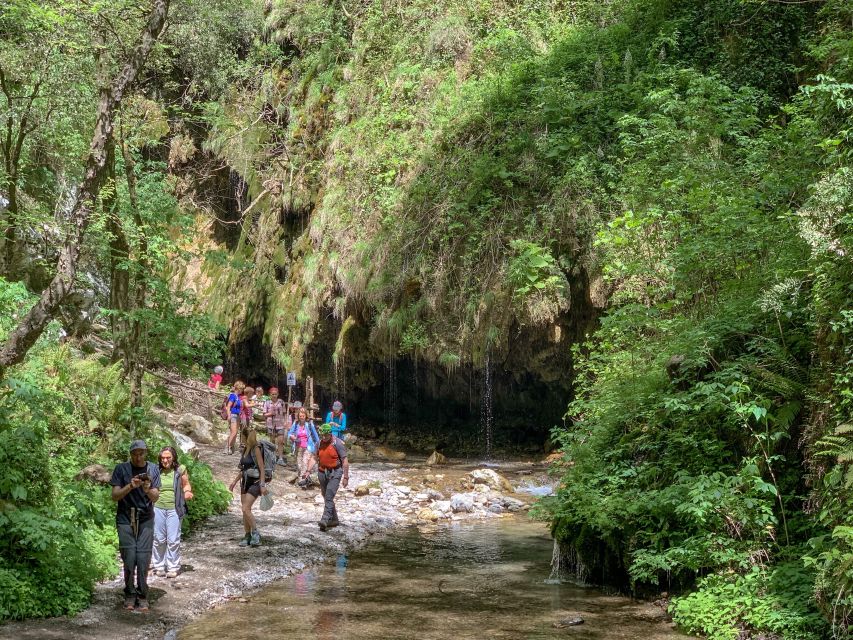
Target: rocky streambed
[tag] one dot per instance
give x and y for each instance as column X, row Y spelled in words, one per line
column 381, row 497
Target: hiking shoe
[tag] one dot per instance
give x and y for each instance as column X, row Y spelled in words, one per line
column 159, row 572
column 246, row 539
column 130, row 603
column 332, row 524
column 172, row 573
column 142, row 604
column 323, row 525
column 255, row 539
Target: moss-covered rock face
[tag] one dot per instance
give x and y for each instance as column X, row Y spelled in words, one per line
column 402, row 202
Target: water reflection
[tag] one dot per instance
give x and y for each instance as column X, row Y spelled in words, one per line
column 485, row 580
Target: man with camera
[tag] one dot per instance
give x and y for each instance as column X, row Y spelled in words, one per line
column 136, row 487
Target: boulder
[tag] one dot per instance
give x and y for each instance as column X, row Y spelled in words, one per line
column 386, row 453
column 492, row 479
column 496, row 508
column 197, row 428
column 461, row 502
column 184, row 443
column 362, row 490
column 436, row 458
column 96, row 473
column 356, row 453
column 349, row 438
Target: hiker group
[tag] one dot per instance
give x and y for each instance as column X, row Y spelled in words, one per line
column 152, row 498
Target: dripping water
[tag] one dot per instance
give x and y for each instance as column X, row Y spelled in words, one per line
column 486, row 406
column 566, row 565
column 391, row 413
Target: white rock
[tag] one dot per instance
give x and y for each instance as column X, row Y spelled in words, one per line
column 403, row 489
column 481, row 488
column 421, row 497
column 443, row 506
column 462, row 502
column 318, row 500
column 184, row 443
column 375, row 491
column 492, row 479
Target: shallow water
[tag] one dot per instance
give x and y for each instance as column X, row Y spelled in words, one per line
column 479, row 580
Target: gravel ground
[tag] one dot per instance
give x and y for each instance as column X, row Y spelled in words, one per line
column 215, row 569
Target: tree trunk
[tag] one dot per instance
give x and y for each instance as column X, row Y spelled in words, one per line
column 31, row 327
column 119, row 266
column 134, row 358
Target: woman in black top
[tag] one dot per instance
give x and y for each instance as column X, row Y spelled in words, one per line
column 252, row 485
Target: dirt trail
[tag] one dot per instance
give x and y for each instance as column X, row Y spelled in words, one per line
column 215, row 569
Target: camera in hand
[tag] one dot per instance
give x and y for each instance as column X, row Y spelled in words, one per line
column 144, row 477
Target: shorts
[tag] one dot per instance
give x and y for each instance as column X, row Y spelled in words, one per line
column 276, row 431
column 253, row 489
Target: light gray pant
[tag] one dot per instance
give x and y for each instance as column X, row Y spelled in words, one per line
column 329, row 482
column 136, row 555
column 167, row 540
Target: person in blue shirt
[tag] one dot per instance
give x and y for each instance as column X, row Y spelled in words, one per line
column 338, row 419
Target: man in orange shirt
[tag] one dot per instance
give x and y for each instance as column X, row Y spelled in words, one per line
column 332, row 470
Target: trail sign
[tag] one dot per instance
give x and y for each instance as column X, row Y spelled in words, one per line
column 291, row 379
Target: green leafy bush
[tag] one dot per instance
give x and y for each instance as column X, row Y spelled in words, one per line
column 777, row 600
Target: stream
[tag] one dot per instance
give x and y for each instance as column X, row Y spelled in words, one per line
column 487, row 579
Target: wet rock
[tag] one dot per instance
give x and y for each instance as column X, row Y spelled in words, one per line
column 461, row 502
column 436, row 458
column 386, row 453
column 492, row 479
column 96, row 473
column 569, row 621
column 496, row 508
column 197, row 428
column 362, row 490
column 429, row 515
column 512, row 504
